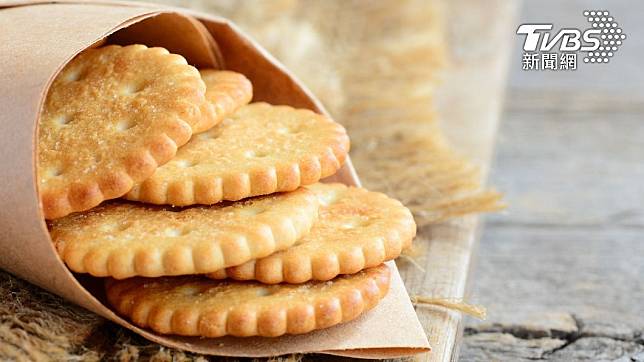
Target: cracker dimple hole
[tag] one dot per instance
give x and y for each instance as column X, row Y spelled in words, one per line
column 74, row 75
column 54, row 172
column 348, row 226
column 290, row 130
column 190, row 290
column 176, row 232
column 123, row 226
column 255, row 154
column 112, row 227
column 328, row 199
column 63, row 119
column 186, row 164
column 355, row 223
column 173, row 232
column 132, row 88
column 125, row 125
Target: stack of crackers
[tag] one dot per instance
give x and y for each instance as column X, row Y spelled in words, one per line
column 203, row 211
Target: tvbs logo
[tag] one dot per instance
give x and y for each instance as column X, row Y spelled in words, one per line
column 569, row 40
column 548, row 50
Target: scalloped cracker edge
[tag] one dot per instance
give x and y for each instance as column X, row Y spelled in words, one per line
column 198, row 306
column 356, row 229
column 260, row 149
column 124, row 239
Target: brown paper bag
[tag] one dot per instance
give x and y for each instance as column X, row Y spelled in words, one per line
column 36, row 40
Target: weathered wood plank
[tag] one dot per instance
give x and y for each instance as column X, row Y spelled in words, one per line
column 569, row 247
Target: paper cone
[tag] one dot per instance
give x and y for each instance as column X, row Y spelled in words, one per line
column 37, row 40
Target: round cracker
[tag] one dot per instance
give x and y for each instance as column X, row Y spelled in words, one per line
column 356, row 229
column 123, row 239
column 226, row 91
column 258, row 150
column 111, row 117
column 198, row 306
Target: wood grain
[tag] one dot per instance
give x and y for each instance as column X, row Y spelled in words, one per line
column 561, row 270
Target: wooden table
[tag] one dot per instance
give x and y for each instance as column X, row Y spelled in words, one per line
column 561, row 272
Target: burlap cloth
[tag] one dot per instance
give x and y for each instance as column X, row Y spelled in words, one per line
column 375, row 65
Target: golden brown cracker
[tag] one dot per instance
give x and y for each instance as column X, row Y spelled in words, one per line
column 198, row 306
column 226, row 92
column 258, row 150
column 356, row 229
column 111, row 117
column 124, row 239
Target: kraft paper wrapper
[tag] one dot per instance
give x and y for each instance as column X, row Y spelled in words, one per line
column 36, row 40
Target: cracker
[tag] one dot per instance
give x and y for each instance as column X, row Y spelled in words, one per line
column 198, row 306
column 356, row 229
column 123, row 239
column 111, row 117
column 226, row 91
column 259, row 150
